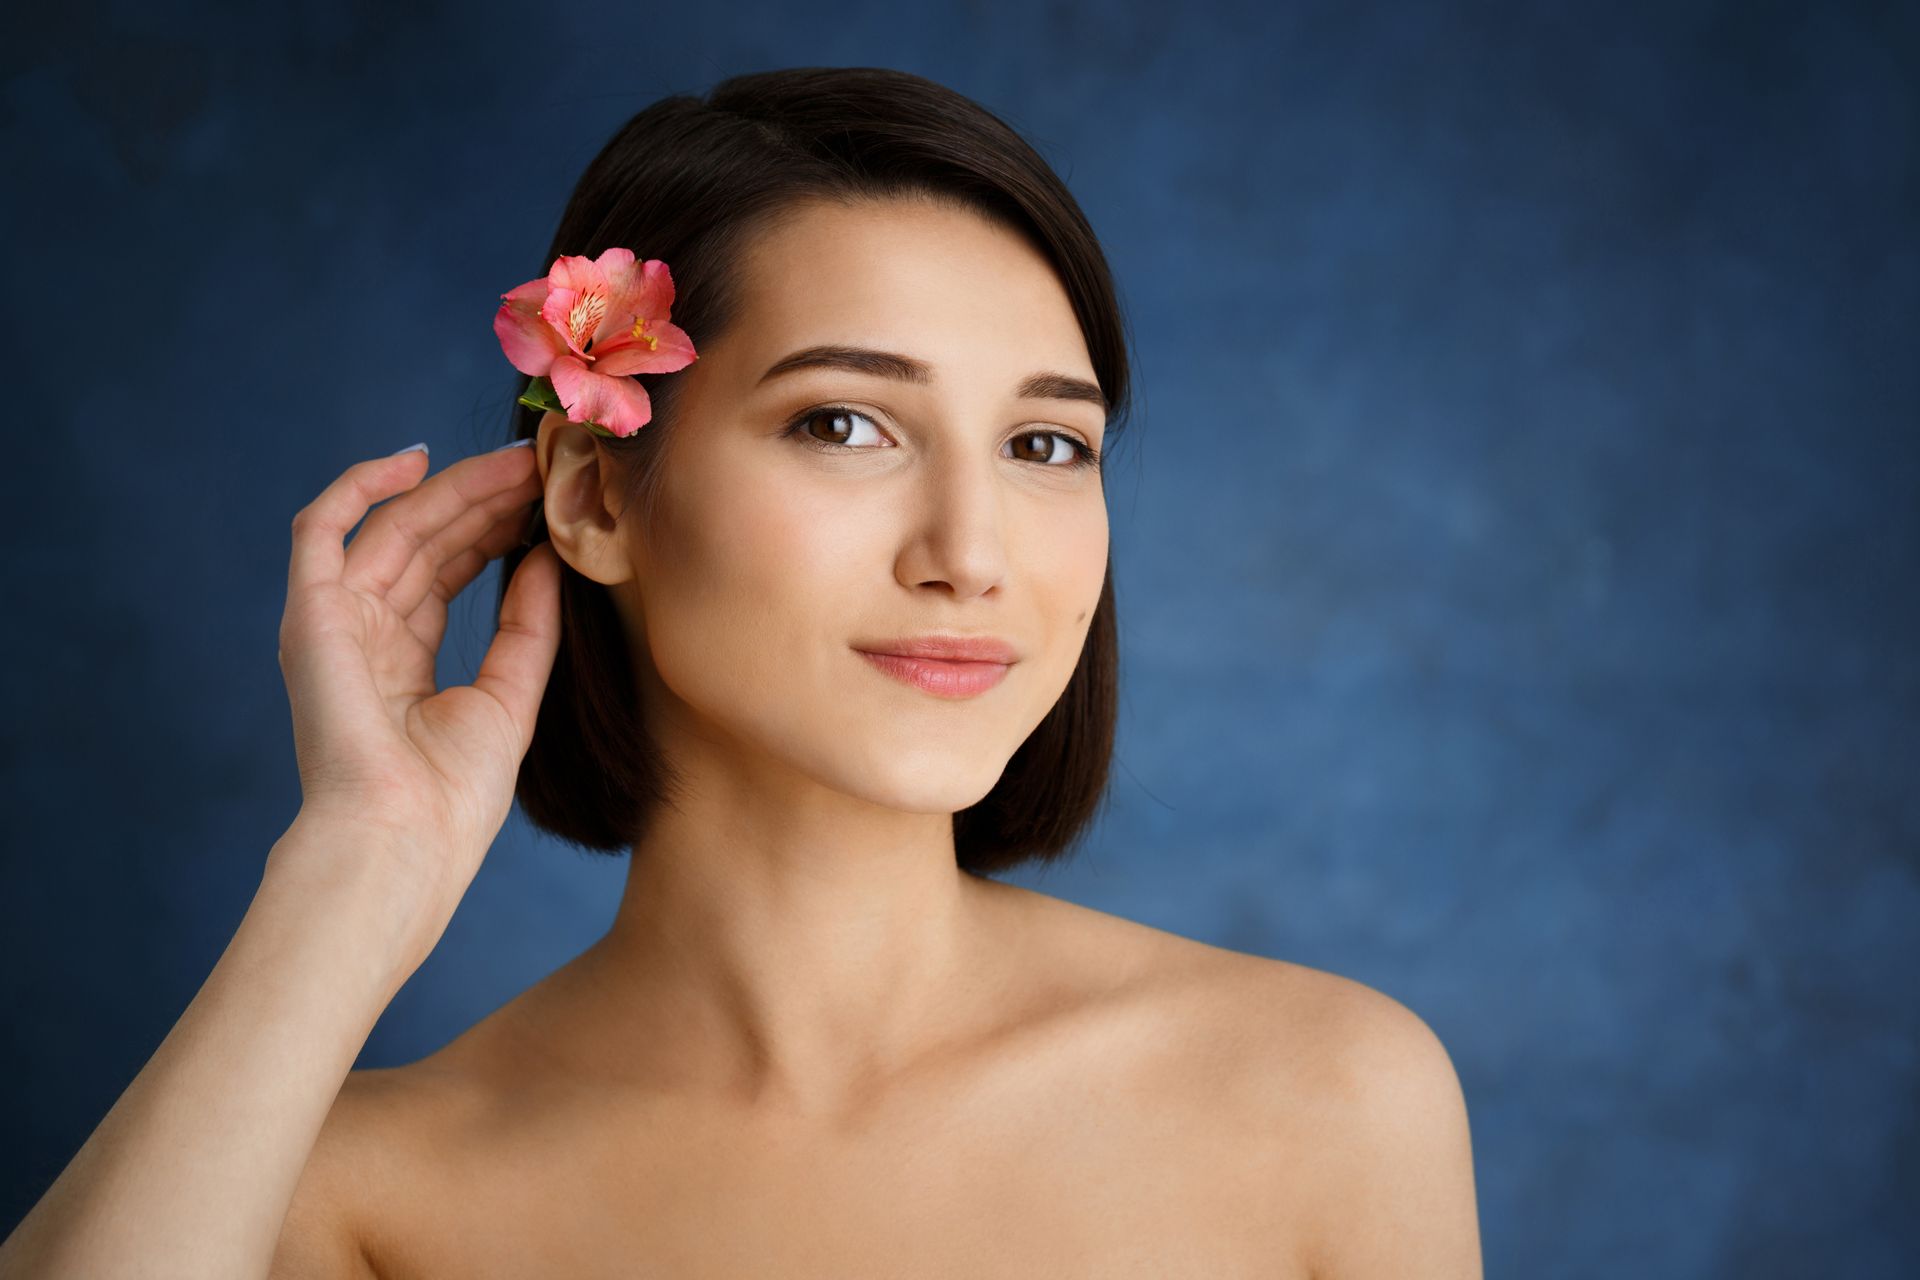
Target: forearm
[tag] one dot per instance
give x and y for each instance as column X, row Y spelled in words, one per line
column 192, row 1170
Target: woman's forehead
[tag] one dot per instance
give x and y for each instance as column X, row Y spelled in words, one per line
column 910, row 255
column 943, row 288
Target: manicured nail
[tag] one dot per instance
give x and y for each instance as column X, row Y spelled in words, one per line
column 422, row 447
column 516, row 444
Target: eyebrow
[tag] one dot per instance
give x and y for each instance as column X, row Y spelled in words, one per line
column 889, row 364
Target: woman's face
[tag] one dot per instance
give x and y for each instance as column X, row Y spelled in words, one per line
column 894, row 508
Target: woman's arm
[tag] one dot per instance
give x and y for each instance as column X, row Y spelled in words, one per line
column 403, row 788
column 193, row 1168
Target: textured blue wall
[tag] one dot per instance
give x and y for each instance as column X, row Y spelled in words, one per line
column 1519, row 555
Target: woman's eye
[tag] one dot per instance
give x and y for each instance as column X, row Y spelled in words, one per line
column 1060, row 451
column 839, row 417
column 1056, row 449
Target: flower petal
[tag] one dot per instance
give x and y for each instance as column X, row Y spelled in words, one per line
column 619, row 273
column 575, row 316
column 529, row 341
column 672, row 349
column 528, row 296
column 614, row 260
column 619, row 404
column 572, row 271
column 652, row 294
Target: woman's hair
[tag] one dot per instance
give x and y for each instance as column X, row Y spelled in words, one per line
column 692, row 181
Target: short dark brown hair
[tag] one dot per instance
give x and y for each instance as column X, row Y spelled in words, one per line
column 691, row 181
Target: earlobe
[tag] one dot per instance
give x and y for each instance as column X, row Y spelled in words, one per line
column 577, row 502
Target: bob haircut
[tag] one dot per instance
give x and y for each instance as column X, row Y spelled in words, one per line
column 691, row 181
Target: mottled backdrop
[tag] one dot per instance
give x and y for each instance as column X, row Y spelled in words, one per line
column 1518, row 551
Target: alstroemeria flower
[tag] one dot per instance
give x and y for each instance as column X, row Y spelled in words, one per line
column 585, row 328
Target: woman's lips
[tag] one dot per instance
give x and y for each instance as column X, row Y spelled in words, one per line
column 938, row 676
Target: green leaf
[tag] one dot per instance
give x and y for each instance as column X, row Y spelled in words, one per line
column 541, row 395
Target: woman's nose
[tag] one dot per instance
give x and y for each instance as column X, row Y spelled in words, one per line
column 957, row 534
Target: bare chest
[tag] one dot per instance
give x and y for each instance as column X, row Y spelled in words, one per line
column 1141, row 1191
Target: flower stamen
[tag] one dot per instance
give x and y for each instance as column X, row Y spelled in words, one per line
column 584, row 317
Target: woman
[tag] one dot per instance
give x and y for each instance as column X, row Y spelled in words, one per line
column 818, row 1039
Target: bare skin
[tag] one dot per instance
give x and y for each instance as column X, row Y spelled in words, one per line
column 1144, row 1105
column 810, row 1044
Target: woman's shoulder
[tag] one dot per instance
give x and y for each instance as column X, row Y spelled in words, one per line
column 1292, row 1027
column 1251, row 989
column 1335, row 1083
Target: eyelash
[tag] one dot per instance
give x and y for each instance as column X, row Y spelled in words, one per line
column 1086, row 455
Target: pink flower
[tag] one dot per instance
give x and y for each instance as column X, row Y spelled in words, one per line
column 587, row 326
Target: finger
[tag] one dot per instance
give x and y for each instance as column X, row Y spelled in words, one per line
column 428, row 621
column 520, row 658
column 455, row 540
column 392, row 536
column 320, row 528
column 506, row 533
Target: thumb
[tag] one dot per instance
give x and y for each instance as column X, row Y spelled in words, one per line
column 514, row 672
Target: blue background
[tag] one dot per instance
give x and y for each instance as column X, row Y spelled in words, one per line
column 1517, row 549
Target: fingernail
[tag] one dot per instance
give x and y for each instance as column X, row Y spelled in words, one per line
column 422, row 447
column 516, row 444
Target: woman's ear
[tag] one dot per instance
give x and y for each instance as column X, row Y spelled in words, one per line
column 581, row 500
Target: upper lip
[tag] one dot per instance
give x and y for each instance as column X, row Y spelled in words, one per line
column 951, row 647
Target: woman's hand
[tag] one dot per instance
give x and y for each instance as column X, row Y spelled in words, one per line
column 414, row 783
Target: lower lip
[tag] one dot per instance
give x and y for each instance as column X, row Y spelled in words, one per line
column 939, row 677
